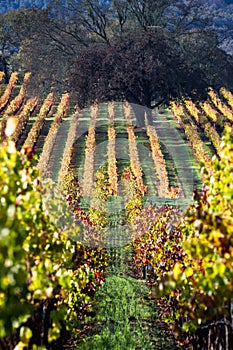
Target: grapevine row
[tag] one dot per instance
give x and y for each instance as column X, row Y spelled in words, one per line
column 67, row 154
column 37, row 126
column 5, row 98
column 1, row 76
column 23, row 117
column 191, row 133
column 17, row 102
column 212, row 114
column 227, row 112
column 200, row 118
column 88, row 173
column 50, row 139
column 112, row 168
column 159, row 162
column 227, row 95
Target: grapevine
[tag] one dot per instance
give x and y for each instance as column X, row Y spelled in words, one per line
column 23, row 117
column 201, row 279
column 67, row 155
column 227, row 95
column 203, row 121
column 5, row 98
column 1, row 76
column 226, row 111
column 112, row 168
column 212, row 114
column 37, row 126
column 88, row 174
column 49, row 141
column 17, row 102
column 192, row 135
column 159, row 162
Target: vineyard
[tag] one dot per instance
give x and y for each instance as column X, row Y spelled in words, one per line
column 115, row 235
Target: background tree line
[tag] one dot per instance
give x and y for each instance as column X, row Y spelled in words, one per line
column 141, row 50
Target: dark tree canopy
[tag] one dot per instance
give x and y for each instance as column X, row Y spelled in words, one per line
column 16, row 27
column 144, row 50
column 139, row 67
column 149, row 68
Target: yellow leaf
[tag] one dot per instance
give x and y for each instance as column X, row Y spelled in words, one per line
column 188, row 272
column 20, row 346
column 177, row 271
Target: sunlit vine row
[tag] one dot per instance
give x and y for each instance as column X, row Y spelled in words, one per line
column 200, row 118
column 50, row 138
column 226, row 111
column 1, row 76
column 112, row 167
column 191, row 134
column 212, row 114
column 133, row 151
column 88, row 172
column 132, row 198
column 227, row 95
column 5, row 98
column 67, row 154
column 14, row 104
column 159, row 162
column 46, row 108
column 17, row 102
column 23, row 117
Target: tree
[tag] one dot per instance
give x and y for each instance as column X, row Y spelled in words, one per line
column 8, row 44
column 15, row 27
column 224, row 26
column 91, row 15
column 134, row 66
column 145, row 51
column 103, row 19
column 202, row 53
column 175, row 15
column 150, row 67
